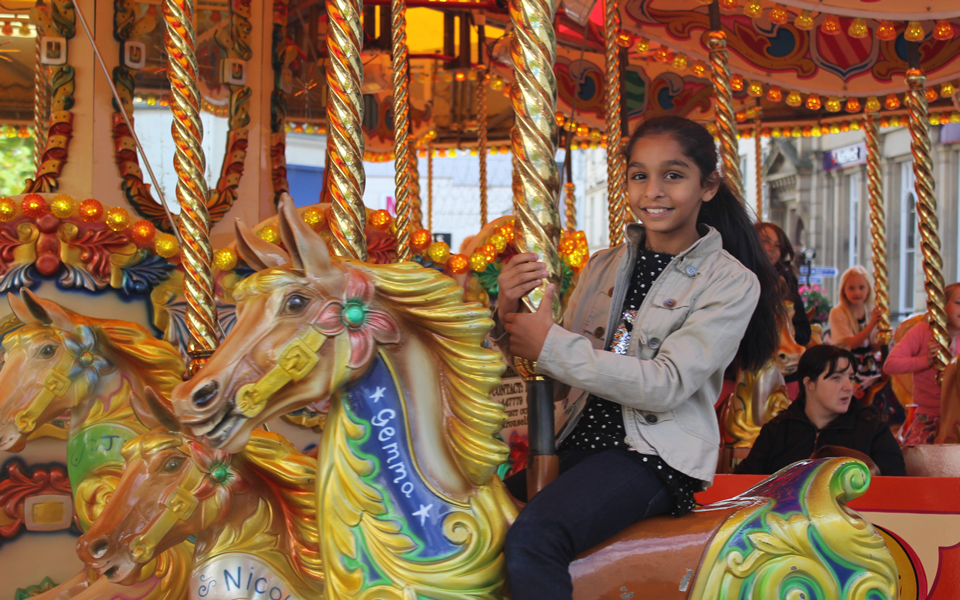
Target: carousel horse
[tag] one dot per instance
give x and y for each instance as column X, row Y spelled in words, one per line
column 253, row 515
column 408, row 504
column 96, row 369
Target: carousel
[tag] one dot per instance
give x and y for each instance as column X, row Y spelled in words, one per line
column 355, row 447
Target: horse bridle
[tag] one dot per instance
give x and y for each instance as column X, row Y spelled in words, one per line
column 55, row 385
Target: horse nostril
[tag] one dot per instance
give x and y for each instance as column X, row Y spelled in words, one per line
column 205, row 394
column 99, row 548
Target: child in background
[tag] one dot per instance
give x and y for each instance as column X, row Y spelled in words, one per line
column 915, row 354
column 849, row 327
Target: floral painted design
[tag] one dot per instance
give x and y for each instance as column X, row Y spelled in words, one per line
column 86, row 362
column 365, row 326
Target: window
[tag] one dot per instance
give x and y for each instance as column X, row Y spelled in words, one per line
column 908, row 237
column 853, row 187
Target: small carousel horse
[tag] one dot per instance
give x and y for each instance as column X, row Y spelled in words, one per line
column 97, row 369
column 408, row 504
column 253, row 515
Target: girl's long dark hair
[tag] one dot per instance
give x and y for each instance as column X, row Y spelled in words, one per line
column 729, row 217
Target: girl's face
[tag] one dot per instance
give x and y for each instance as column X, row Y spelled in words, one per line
column 953, row 309
column 771, row 244
column 832, row 393
column 856, row 289
column 663, row 186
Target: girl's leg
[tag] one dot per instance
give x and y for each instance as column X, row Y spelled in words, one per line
column 597, row 498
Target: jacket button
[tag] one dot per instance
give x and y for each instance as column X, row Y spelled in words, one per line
column 654, row 343
column 651, row 419
column 691, row 271
column 610, row 291
column 598, row 332
column 669, row 302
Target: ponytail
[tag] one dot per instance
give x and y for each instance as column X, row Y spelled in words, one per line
column 728, row 216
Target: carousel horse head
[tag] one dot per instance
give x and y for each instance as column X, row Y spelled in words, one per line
column 175, row 487
column 60, row 360
column 789, row 351
column 309, row 325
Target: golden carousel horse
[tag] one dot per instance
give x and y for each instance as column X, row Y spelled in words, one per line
column 408, row 502
column 253, row 515
column 97, row 369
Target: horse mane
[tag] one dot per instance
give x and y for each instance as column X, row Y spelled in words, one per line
column 291, row 476
column 455, row 330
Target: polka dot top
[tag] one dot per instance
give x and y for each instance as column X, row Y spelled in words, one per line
column 601, row 424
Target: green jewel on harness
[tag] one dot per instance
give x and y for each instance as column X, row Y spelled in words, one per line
column 220, row 473
column 354, row 314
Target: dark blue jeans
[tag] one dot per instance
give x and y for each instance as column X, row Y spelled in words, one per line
column 597, row 495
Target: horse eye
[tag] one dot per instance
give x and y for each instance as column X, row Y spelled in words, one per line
column 48, row 351
column 295, row 305
column 173, row 464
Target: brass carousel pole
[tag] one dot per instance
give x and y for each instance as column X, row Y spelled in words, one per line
column 189, row 162
column 430, row 189
column 569, row 189
column 927, row 207
column 616, row 188
column 401, row 125
column 878, row 229
column 758, row 155
column 536, row 187
column 41, row 107
column 726, row 128
column 482, row 142
column 345, row 114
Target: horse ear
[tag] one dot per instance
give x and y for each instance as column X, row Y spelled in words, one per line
column 307, row 249
column 20, row 309
column 157, row 411
column 48, row 313
column 257, row 253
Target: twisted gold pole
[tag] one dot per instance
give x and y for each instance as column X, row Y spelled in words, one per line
column 570, row 206
column 536, row 183
column 416, row 212
column 430, row 189
column 345, row 116
column 616, row 188
column 927, row 213
column 41, row 107
column 401, row 124
column 758, row 152
column 192, row 193
column 482, row 142
column 723, row 104
column 878, row 227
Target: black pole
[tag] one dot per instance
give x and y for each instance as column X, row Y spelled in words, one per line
column 542, row 463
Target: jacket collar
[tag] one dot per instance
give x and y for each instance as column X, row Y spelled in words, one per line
column 696, row 255
column 797, row 412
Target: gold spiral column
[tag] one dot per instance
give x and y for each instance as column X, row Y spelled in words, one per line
column 345, row 116
column 570, row 206
column 430, row 189
column 536, row 183
column 927, row 214
column 41, row 107
column 401, row 125
column 192, row 192
column 758, row 156
column 723, row 103
column 482, row 142
column 416, row 212
column 878, row 228
column 616, row 182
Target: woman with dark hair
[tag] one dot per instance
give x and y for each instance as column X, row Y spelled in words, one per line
column 779, row 250
column 647, row 335
column 824, row 414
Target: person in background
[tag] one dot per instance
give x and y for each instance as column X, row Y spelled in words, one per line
column 915, row 354
column 824, row 414
column 781, row 254
column 853, row 322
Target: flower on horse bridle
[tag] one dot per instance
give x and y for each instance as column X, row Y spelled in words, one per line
column 364, row 325
column 86, row 362
column 218, row 475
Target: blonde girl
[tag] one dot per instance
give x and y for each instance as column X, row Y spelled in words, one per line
column 853, row 322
